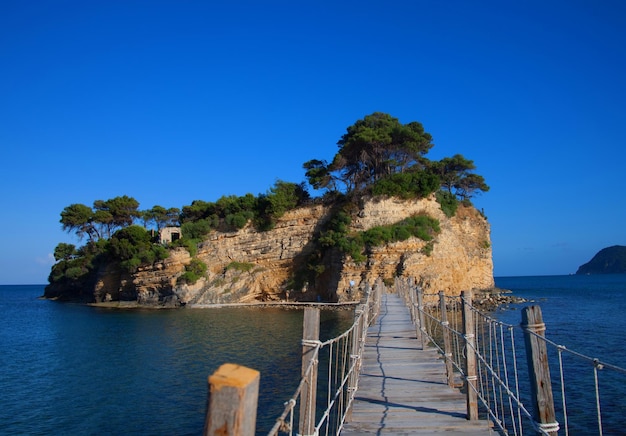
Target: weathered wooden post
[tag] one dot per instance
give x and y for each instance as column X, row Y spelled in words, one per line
column 470, row 356
column 233, row 398
column 447, row 346
column 420, row 310
column 376, row 291
column 310, row 340
column 411, row 303
column 539, row 370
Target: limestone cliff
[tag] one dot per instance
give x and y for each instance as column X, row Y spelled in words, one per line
column 252, row 266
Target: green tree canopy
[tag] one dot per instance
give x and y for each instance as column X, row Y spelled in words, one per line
column 101, row 221
column 284, row 196
column 132, row 246
column 80, row 219
column 64, row 251
column 319, row 174
column 197, row 210
column 457, row 176
column 374, row 147
column 116, row 213
column 380, row 153
column 280, row 198
column 160, row 217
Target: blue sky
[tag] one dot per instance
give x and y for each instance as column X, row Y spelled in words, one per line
column 172, row 101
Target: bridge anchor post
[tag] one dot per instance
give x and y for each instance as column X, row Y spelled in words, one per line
column 539, row 370
column 471, row 380
column 232, row 401
column 447, row 346
column 310, row 341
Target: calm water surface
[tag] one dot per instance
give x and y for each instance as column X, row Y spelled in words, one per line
column 586, row 314
column 77, row 370
column 72, row 369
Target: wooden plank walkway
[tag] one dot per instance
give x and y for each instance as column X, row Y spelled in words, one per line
column 402, row 387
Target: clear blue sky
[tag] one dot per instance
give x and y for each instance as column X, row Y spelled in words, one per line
column 171, row 101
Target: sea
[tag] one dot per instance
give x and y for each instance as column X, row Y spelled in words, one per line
column 71, row 369
column 585, row 314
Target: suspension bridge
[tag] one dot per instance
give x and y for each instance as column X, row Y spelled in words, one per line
column 402, row 385
column 415, row 363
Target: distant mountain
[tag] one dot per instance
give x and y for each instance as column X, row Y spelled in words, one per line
column 610, row 260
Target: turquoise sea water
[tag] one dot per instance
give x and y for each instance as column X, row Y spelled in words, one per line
column 77, row 370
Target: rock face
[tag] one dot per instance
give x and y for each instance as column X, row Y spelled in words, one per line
column 252, row 266
column 610, row 260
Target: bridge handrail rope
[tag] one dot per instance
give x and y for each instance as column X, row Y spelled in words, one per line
column 496, row 384
column 485, row 370
column 494, row 345
column 597, row 365
column 343, row 362
column 290, row 404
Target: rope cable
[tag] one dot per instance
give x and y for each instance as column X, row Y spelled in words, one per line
column 497, row 366
column 595, row 377
column 560, row 353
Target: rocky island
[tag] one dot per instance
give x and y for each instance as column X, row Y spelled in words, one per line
column 386, row 211
column 610, row 260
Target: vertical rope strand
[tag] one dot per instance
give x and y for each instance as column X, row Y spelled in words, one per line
column 506, row 378
column 595, row 377
column 517, row 426
column 560, row 352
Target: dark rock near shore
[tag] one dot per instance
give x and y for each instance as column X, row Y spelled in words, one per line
column 493, row 299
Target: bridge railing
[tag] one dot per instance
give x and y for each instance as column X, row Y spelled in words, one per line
column 330, row 371
column 505, row 370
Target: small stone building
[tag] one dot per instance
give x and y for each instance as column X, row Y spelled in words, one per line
column 169, row 234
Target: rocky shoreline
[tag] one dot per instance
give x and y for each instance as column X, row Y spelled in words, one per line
column 496, row 298
column 487, row 301
column 280, row 304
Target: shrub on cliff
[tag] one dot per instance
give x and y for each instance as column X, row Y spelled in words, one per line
column 132, row 246
column 281, row 197
column 419, row 226
column 75, row 269
column 354, row 245
column 448, row 203
column 240, row 266
column 415, row 184
column 191, row 245
column 233, row 213
column 193, row 271
column 197, row 229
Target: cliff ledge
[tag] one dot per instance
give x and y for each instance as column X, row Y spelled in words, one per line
column 458, row 258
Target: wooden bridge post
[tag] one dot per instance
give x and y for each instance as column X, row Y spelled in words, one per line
column 411, row 302
column 375, row 306
column 368, row 311
column 413, row 291
column 233, row 399
column 447, row 347
column 539, row 370
column 420, row 310
column 470, row 356
column 310, row 336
